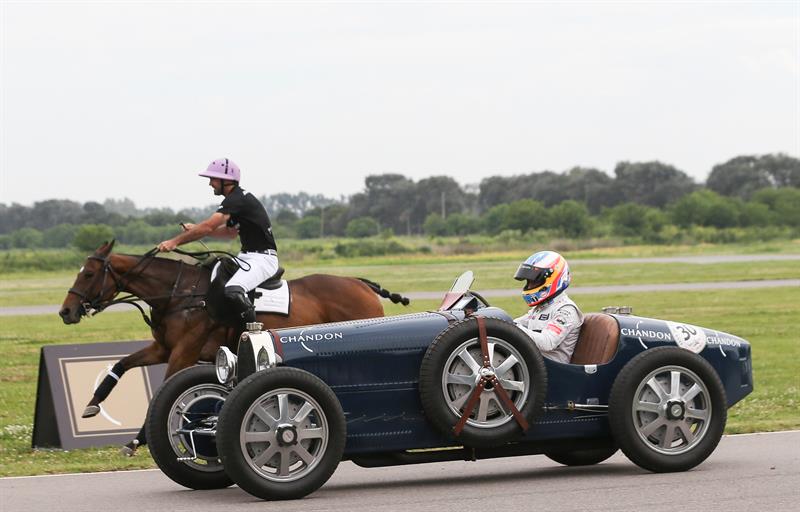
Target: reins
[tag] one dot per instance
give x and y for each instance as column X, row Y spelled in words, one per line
column 97, row 305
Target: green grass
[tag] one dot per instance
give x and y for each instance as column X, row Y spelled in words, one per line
column 50, row 287
column 765, row 317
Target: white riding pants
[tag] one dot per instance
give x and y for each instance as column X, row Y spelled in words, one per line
column 261, row 266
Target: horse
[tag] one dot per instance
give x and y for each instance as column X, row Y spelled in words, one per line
column 183, row 330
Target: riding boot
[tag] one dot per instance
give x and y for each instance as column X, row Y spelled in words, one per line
column 237, row 298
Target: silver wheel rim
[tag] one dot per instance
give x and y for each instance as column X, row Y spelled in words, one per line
column 671, row 410
column 178, row 419
column 462, row 372
column 284, row 435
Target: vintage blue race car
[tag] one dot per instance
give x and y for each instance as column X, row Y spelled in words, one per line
column 460, row 383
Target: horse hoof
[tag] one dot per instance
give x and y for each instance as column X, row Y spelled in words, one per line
column 129, row 450
column 90, row 411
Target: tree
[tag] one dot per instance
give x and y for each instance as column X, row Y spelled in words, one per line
column 463, row 224
column 435, row 194
column 571, row 218
column 705, row 208
column 435, row 225
column 91, row 236
column 494, row 220
column 744, row 175
column 389, row 199
column 651, row 183
column 60, row 235
column 285, row 217
column 628, row 219
column 636, row 220
column 593, row 187
column 783, row 202
column 26, row 238
column 525, row 215
column 362, row 227
column 308, row 227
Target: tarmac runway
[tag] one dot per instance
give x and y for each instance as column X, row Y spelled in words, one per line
column 745, row 473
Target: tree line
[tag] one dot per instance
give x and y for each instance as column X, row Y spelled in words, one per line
column 649, row 200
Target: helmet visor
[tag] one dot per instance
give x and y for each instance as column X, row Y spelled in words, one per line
column 533, row 276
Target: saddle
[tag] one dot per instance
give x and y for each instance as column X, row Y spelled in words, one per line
column 215, row 298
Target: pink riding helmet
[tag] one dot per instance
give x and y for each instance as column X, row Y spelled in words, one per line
column 223, row 169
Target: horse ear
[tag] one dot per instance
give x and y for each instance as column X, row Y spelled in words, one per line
column 105, row 249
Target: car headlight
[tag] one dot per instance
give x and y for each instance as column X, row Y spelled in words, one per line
column 262, row 361
column 225, row 365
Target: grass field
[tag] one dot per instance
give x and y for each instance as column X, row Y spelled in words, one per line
column 22, row 289
column 765, row 317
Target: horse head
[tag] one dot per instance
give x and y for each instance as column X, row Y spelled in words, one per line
column 93, row 288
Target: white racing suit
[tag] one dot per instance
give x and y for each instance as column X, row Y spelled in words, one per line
column 554, row 326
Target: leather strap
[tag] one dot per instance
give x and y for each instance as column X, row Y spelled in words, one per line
column 497, row 388
column 501, row 392
column 473, row 401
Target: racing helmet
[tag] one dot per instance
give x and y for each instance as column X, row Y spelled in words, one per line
column 546, row 274
column 223, row 169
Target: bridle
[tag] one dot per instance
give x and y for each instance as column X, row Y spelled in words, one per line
column 93, row 306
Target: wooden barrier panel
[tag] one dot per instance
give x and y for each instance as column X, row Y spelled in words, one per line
column 68, row 376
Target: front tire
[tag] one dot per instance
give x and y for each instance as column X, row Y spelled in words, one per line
column 190, row 400
column 667, row 409
column 281, row 434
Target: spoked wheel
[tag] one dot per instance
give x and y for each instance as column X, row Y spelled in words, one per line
column 454, row 367
column 181, row 427
column 282, row 433
column 667, row 409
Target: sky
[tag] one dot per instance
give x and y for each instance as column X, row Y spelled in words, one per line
column 111, row 100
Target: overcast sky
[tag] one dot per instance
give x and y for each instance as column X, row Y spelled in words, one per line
column 133, row 99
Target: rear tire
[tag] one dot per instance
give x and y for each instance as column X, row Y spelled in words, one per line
column 188, row 396
column 587, row 457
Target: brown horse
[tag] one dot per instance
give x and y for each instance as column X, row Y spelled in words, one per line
column 184, row 332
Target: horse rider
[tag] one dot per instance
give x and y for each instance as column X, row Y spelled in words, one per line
column 553, row 321
column 240, row 213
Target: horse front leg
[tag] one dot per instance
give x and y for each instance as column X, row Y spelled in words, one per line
column 184, row 355
column 154, row 353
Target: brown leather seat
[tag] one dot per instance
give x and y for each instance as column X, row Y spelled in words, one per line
column 597, row 343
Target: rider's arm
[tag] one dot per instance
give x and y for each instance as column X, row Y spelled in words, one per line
column 196, row 232
column 225, row 232
column 555, row 331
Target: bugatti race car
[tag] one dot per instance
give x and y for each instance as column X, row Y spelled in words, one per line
column 460, row 383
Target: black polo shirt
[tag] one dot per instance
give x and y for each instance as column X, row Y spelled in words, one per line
column 248, row 215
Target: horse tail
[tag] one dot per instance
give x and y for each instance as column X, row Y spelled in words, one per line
column 396, row 298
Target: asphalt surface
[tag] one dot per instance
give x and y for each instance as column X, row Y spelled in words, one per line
column 745, row 473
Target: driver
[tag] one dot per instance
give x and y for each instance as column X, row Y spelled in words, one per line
column 553, row 321
column 239, row 214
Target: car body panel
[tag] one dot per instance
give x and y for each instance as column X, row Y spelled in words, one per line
column 373, row 368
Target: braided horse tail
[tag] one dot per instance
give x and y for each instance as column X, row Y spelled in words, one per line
column 394, row 297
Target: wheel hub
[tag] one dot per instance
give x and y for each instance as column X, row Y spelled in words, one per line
column 675, row 410
column 286, row 435
column 486, row 373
